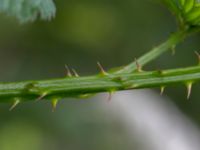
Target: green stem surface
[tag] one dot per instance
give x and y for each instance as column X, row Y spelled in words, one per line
column 83, row 86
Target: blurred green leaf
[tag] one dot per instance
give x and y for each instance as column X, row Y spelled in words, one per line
column 188, row 5
column 194, row 15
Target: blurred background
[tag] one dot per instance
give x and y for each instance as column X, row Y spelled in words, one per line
column 113, row 32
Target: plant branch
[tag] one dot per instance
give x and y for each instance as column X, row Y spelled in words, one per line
column 84, row 86
column 173, row 40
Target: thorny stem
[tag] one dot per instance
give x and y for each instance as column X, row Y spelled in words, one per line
column 173, row 40
column 126, row 78
column 129, row 77
column 83, row 86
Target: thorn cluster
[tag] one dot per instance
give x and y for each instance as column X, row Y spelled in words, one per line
column 32, row 88
column 68, row 72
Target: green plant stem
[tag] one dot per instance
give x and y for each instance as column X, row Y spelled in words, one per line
column 82, row 86
column 173, row 40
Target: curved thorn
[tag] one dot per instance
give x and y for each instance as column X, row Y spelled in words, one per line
column 54, row 103
column 139, row 67
column 75, row 73
column 16, row 102
column 189, row 90
column 41, row 96
column 68, row 72
column 162, row 89
column 103, row 72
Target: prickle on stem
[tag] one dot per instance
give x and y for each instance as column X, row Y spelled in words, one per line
column 54, row 103
column 41, row 96
column 189, row 89
column 75, row 73
column 162, row 89
column 68, row 72
column 139, row 67
column 16, row 102
column 103, row 72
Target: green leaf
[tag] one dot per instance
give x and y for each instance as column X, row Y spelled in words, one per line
column 28, row 10
column 188, row 5
column 186, row 11
column 193, row 15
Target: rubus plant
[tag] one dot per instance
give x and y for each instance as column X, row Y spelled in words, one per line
column 127, row 77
